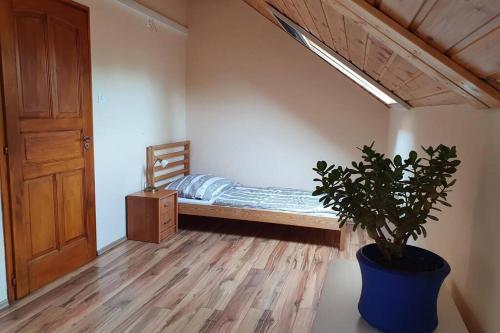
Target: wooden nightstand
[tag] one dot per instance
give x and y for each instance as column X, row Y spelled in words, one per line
column 152, row 216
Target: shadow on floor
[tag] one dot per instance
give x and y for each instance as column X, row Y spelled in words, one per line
column 262, row 230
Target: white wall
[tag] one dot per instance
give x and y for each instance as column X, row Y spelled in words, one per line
column 467, row 234
column 261, row 108
column 480, row 286
column 141, row 75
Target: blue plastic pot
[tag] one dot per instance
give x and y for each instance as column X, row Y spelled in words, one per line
column 400, row 301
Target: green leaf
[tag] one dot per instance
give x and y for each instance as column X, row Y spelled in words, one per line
column 321, row 165
column 413, row 155
column 443, row 202
column 424, row 232
column 398, row 160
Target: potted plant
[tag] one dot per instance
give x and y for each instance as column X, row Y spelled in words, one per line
column 393, row 200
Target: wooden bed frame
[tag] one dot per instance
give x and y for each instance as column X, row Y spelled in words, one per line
column 178, row 156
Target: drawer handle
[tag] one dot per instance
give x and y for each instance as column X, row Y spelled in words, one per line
column 165, row 205
column 167, row 221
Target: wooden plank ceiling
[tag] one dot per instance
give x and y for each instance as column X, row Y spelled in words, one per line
column 427, row 52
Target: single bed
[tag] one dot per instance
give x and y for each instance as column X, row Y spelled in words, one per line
column 269, row 205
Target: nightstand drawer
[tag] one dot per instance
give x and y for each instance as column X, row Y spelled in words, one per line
column 167, row 222
column 167, row 232
column 167, row 207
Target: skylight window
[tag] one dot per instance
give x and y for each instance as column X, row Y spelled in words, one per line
column 348, row 72
column 334, row 59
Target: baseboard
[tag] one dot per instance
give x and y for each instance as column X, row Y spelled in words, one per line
column 111, row 246
column 4, row 304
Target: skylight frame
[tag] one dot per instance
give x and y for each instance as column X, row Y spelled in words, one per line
column 338, row 62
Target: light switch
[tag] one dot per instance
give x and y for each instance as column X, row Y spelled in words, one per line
column 101, row 99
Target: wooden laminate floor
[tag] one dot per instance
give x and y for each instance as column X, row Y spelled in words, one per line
column 213, row 276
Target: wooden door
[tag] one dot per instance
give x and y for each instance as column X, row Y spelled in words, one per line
column 47, row 103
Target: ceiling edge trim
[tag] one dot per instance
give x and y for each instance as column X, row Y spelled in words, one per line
column 153, row 14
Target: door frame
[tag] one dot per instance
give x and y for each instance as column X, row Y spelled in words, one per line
column 4, row 182
column 5, row 197
column 7, row 218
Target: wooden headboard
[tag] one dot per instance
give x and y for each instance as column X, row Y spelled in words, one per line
column 177, row 155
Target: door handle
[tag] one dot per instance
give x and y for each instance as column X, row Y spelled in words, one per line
column 86, row 141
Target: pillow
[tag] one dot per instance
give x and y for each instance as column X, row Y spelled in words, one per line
column 201, row 187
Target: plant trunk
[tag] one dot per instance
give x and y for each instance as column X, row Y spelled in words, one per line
column 383, row 249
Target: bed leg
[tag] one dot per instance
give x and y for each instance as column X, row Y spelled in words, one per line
column 342, row 239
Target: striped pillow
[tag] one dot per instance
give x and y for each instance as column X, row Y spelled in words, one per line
column 201, row 187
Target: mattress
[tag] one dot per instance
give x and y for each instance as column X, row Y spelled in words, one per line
column 271, row 198
column 196, row 201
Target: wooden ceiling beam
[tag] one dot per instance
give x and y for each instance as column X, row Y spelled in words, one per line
column 419, row 53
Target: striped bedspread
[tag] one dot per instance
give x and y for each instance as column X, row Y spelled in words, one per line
column 271, row 198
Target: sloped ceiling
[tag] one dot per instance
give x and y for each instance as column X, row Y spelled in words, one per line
column 427, row 52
